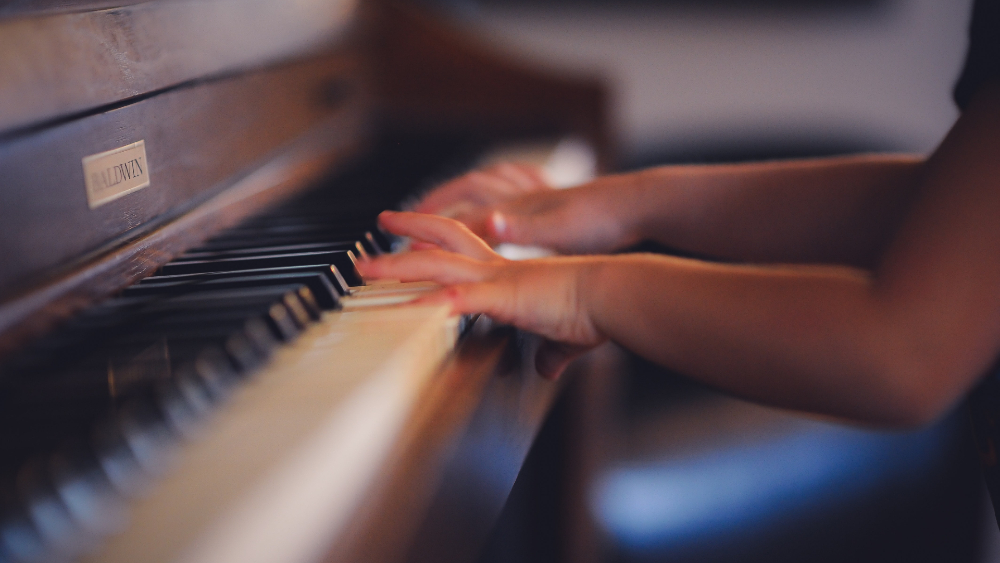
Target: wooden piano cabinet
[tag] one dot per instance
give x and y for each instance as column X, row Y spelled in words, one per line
column 548, row 517
column 439, row 497
column 430, row 76
column 417, row 75
column 230, row 145
column 201, row 142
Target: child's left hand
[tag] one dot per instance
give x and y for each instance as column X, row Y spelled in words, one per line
column 545, row 296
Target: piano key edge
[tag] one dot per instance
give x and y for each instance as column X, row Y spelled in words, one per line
column 376, row 471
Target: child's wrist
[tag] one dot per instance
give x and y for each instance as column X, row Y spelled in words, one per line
column 635, row 207
column 615, row 206
column 593, row 288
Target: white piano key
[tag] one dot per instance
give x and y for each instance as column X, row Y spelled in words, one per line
column 283, row 466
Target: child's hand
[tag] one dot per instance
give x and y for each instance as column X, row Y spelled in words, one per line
column 511, row 203
column 483, row 188
column 542, row 296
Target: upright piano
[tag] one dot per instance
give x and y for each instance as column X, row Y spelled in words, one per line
column 191, row 368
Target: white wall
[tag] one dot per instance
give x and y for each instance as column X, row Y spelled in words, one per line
column 682, row 76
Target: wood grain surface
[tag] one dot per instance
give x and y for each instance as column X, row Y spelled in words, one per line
column 288, row 172
column 439, row 495
column 197, row 140
column 59, row 64
column 432, row 76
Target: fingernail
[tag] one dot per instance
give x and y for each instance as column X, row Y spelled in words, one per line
column 388, row 212
column 499, row 224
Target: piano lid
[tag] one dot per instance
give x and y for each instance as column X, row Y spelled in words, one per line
column 56, row 63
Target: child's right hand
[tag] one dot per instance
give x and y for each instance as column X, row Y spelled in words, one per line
column 511, row 203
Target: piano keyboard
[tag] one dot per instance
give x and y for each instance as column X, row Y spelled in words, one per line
column 113, row 443
column 292, row 455
column 271, row 319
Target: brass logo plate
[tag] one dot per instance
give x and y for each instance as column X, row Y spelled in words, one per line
column 111, row 174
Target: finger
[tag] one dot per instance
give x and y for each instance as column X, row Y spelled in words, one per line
column 546, row 228
column 446, row 233
column 498, row 227
column 476, row 220
column 477, row 187
column 421, row 245
column 552, row 357
column 525, row 177
column 445, row 196
column 471, row 298
column 509, row 227
column 425, row 265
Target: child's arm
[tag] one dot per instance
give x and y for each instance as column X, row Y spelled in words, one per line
column 831, row 210
column 896, row 345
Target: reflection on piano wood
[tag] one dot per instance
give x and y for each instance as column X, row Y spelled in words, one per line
column 195, row 371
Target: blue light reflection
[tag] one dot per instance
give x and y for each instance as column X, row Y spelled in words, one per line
column 741, row 488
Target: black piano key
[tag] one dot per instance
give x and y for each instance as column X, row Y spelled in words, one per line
column 133, row 445
column 326, row 296
column 213, row 369
column 344, row 260
column 184, row 326
column 117, row 460
column 201, row 296
column 287, row 310
column 279, row 321
column 202, row 306
column 248, row 342
column 243, row 353
column 367, row 241
column 184, row 402
column 19, row 538
column 297, row 232
column 297, row 297
column 85, row 490
column 277, row 224
column 328, row 271
column 131, row 350
column 148, row 435
column 181, row 328
column 267, row 247
column 48, row 513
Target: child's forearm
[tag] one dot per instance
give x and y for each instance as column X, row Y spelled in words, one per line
column 830, row 210
column 809, row 338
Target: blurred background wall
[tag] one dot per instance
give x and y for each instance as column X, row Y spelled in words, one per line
column 686, row 74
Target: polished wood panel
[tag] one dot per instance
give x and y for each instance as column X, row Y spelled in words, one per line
column 23, row 8
column 197, row 140
column 65, row 63
column 431, row 76
column 442, row 490
column 297, row 167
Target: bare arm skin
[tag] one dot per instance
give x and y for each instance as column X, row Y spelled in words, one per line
column 896, row 345
column 829, row 210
